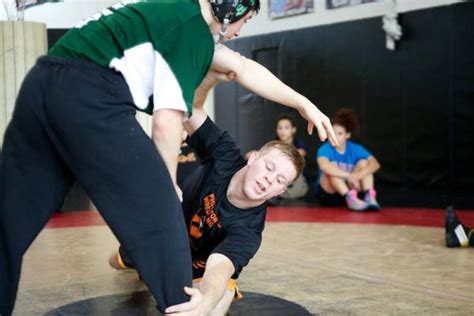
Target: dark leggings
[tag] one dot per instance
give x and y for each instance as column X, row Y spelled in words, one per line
column 76, row 120
column 329, row 199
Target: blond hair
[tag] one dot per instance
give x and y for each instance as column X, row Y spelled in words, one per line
column 287, row 150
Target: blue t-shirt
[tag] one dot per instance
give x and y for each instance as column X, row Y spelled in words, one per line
column 346, row 161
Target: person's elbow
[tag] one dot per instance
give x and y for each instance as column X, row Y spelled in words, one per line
column 165, row 120
column 323, row 165
column 241, row 67
column 238, row 66
column 324, row 169
column 226, row 61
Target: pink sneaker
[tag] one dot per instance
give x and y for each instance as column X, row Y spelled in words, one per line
column 354, row 203
column 370, row 199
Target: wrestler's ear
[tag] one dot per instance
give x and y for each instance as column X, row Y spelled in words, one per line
column 252, row 158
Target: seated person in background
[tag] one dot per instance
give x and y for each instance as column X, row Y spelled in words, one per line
column 285, row 131
column 224, row 205
column 457, row 234
column 346, row 170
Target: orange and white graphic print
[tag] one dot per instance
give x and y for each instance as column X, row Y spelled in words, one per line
column 204, row 219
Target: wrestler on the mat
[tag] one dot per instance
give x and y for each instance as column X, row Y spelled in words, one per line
column 224, row 204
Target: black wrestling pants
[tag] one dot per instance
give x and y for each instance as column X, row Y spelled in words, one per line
column 74, row 119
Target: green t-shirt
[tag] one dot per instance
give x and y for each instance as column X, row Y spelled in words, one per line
column 163, row 48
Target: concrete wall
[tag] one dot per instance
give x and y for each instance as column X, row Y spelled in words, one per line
column 20, row 44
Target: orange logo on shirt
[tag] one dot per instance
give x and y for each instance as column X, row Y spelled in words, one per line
column 211, row 216
column 187, row 158
column 208, row 216
column 195, row 230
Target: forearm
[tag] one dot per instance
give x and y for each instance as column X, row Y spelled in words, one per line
column 167, row 134
column 219, row 270
column 203, row 90
column 199, row 116
column 371, row 167
column 333, row 171
column 256, row 78
column 213, row 288
column 262, row 82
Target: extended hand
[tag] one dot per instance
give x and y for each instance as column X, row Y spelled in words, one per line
column 197, row 305
column 316, row 118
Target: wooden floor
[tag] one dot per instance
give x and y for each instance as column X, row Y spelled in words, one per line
column 330, row 261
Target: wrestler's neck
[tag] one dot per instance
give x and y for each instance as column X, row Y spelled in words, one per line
column 236, row 194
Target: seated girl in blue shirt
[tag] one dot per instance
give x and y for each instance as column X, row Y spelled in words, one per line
column 347, row 171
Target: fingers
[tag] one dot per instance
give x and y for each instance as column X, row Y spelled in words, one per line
column 223, row 76
column 310, row 128
column 187, row 306
column 330, row 131
column 322, row 123
column 321, row 131
column 230, row 76
column 191, row 291
column 184, row 307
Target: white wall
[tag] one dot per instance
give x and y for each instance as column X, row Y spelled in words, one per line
column 68, row 13
column 63, row 14
column 261, row 24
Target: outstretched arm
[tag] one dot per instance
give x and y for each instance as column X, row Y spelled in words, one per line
column 219, row 270
column 262, row 82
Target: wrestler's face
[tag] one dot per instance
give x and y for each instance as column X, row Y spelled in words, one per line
column 269, row 174
column 233, row 30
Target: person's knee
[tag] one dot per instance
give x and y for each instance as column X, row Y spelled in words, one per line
column 325, row 183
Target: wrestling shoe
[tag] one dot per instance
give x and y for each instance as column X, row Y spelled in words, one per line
column 371, row 200
column 456, row 232
column 354, row 203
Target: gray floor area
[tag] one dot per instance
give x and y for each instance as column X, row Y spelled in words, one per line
column 330, row 269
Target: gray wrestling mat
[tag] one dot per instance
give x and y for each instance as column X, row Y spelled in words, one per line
column 142, row 304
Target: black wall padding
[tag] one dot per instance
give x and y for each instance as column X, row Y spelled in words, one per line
column 54, row 35
column 462, row 98
column 416, row 104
